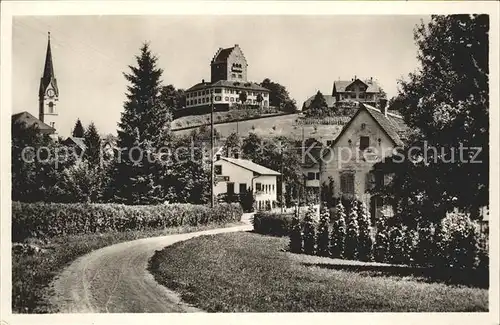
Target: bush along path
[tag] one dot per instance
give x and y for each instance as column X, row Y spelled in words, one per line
column 115, row 278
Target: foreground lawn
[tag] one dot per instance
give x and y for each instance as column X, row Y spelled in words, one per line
column 32, row 274
column 245, row 272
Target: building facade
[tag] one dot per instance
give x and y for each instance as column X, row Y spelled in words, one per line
column 363, row 91
column 48, row 94
column 346, row 168
column 235, row 176
column 228, row 80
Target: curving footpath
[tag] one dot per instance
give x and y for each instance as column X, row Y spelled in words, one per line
column 115, row 279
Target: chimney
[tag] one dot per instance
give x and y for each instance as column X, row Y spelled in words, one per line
column 383, row 105
column 202, row 81
column 217, row 156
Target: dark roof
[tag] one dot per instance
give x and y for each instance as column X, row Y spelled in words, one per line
column 28, row 119
column 80, row 142
column 48, row 73
column 250, row 165
column 393, row 125
column 222, row 54
column 228, row 84
column 330, row 101
column 341, row 85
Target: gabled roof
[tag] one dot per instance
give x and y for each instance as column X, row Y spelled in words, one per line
column 393, row 125
column 28, row 119
column 341, row 85
column 222, row 54
column 79, row 142
column 330, row 101
column 250, row 165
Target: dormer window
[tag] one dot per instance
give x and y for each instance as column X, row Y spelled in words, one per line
column 364, row 142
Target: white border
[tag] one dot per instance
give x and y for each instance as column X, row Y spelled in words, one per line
column 11, row 8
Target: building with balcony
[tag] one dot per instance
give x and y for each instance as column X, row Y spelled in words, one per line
column 363, row 91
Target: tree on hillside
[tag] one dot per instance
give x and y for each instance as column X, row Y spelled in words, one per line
column 279, row 96
column 318, row 106
column 243, row 97
column 93, row 145
column 139, row 176
column 232, row 145
column 259, row 99
column 446, row 102
column 173, row 98
column 78, row 130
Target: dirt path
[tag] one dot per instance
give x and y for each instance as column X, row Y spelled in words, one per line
column 114, row 279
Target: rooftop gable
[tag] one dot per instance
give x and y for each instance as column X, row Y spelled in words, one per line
column 250, row 165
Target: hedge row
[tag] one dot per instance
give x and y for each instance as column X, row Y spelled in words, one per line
column 43, row 220
column 275, row 224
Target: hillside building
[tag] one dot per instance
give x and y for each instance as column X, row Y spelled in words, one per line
column 228, row 80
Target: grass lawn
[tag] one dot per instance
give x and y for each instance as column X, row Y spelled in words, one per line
column 247, row 272
column 32, row 274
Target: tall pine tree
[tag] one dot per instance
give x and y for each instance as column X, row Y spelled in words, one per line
column 78, row 130
column 144, row 129
column 93, row 145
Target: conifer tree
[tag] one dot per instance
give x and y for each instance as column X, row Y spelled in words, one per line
column 381, row 246
column 337, row 239
column 93, row 145
column 295, row 235
column 323, row 232
column 78, row 130
column 140, row 174
column 352, row 234
column 364, row 240
column 309, row 232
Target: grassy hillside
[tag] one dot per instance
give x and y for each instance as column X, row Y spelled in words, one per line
column 290, row 125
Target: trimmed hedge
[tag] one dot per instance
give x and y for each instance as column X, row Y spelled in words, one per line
column 44, row 220
column 276, row 224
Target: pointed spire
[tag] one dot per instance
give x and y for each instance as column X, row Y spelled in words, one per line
column 48, row 72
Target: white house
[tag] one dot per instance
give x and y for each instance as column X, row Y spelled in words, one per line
column 234, row 176
column 370, row 135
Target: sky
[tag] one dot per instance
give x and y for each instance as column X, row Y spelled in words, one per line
column 303, row 53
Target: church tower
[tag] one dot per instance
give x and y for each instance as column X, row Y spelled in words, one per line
column 48, row 95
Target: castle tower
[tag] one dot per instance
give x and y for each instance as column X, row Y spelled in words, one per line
column 229, row 64
column 48, row 95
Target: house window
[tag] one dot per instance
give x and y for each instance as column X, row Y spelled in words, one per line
column 258, row 187
column 243, row 187
column 329, row 142
column 317, row 176
column 218, row 91
column 347, row 183
column 218, row 98
column 218, row 169
column 233, row 75
column 239, row 76
column 232, row 99
column 226, row 99
column 53, row 124
column 273, row 187
column 311, row 176
column 364, row 142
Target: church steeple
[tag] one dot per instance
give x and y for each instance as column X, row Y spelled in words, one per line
column 48, row 94
column 48, row 72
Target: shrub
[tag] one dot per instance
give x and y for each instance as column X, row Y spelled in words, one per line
column 365, row 241
column 45, row 220
column 247, row 201
column 309, row 232
column 337, row 238
column 425, row 248
column 458, row 242
column 270, row 223
column 396, row 253
column 323, row 232
column 352, row 234
column 409, row 246
column 295, row 245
